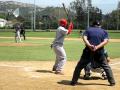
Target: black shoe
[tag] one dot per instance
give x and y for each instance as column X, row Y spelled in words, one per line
column 112, row 84
column 54, row 69
column 86, row 77
column 73, row 83
column 59, row 73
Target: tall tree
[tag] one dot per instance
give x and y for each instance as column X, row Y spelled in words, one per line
column 80, row 8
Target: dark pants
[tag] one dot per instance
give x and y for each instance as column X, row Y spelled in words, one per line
column 94, row 64
column 23, row 34
column 86, row 58
column 87, row 69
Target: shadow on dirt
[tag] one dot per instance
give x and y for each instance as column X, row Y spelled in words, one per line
column 67, row 82
column 64, row 82
column 43, row 71
column 91, row 78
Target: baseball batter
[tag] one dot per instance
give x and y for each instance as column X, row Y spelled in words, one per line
column 58, row 45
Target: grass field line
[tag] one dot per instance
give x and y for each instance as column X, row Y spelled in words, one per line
column 17, row 66
column 114, row 65
column 27, row 68
column 117, row 63
column 5, row 65
column 116, row 68
column 47, row 38
column 30, row 71
column 21, row 44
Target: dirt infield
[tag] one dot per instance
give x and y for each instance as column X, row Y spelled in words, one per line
column 37, row 75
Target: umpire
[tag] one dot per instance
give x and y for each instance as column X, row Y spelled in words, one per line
column 22, row 32
column 95, row 38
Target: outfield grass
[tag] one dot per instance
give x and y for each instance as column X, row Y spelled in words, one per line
column 43, row 52
column 75, row 34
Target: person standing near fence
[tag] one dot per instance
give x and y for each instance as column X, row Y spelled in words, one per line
column 22, row 32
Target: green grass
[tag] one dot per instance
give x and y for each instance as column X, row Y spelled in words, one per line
column 113, row 49
column 43, row 52
column 19, row 53
column 75, row 34
column 114, row 35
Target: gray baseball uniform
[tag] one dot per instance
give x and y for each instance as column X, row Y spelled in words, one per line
column 17, row 33
column 59, row 49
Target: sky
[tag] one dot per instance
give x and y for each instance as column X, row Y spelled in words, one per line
column 106, row 5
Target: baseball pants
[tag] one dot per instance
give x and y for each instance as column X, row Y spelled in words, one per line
column 17, row 37
column 60, row 57
column 86, row 58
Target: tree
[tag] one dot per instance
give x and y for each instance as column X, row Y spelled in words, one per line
column 95, row 14
column 110, row 20
column 79, row 7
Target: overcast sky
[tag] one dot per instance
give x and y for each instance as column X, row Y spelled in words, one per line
column 106, row 5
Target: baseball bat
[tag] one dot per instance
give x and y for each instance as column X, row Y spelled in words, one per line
column 66, row 11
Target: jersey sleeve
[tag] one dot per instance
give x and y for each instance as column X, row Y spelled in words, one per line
column 85, row 33
column 64, row 31
column 106, row 35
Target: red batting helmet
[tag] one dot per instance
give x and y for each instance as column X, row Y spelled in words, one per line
column 63, row 22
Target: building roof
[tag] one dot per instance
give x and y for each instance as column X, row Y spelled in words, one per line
column 3, row 20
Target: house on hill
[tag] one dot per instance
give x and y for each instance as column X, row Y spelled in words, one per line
column 2, row 22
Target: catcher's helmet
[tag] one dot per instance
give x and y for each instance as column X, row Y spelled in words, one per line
column 63, row 22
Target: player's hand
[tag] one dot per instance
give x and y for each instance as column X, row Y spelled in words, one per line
column 70, row 28
column 71, row 25
column 92, row 47
column 95, row 48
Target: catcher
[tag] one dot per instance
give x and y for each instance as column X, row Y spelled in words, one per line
column 95, row 68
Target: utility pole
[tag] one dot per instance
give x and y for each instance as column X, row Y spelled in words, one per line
column 118, row 17
column 34, row 17
column 88, row 10
column 88, row 18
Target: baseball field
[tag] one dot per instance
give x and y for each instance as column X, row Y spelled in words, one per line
column 28, row 65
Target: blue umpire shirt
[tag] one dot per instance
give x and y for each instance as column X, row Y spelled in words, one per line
column 95, row 35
